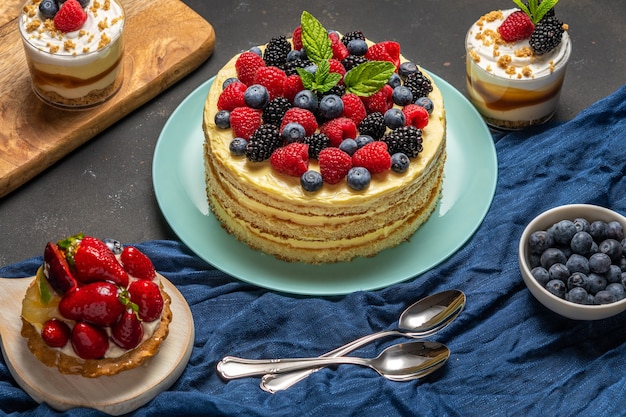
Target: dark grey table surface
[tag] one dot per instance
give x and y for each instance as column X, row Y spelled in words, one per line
column 105, row 188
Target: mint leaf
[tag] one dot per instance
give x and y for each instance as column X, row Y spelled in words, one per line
column 367, row 78
column 322, row 81
column 315, row 39
column 307, row 78
column 534, row 10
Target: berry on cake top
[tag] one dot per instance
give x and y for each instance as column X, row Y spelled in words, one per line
column 348, row 103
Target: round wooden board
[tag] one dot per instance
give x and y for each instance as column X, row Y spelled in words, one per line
column 116, row 395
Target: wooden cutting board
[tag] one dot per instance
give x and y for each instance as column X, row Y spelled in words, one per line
column 115, row 395
column 165, row 40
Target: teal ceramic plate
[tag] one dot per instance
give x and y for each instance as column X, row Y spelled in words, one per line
column 468, row 189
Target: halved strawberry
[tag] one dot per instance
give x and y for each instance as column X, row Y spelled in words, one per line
column 57, row 270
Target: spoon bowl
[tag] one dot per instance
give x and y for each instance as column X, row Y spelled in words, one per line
column 401, row 362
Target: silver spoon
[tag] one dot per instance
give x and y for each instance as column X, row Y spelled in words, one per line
column 401, row 362
column 423, row 318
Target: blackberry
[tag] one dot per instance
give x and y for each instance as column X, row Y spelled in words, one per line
column 419, row 84
column 373, row 125
column 275, row 110
column 276, row 51
column 265, row 140
column 316, row 142
column 405, row 139
column 290, row 66
column 338, row 90
column 352, row 61
column 357, row 34
column 547, row 35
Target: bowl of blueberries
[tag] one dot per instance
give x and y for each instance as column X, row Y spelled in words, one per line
column 573, row 260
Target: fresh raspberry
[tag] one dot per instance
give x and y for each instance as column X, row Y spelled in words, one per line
column 340, row 51
column 70, row 16
column 353, row 108
column 232, row 96
column 415, row 116
column 334, row 165
column 337, row 67
column 244, row 121
column 293, row 85
column 516, row 26
column 296, row 38
column 339, row 129
column 380, row 101
column 374, row 157
column 292, row 159
column 246, row 65
column 298, row 115
column 272, row 78
column 385, row 51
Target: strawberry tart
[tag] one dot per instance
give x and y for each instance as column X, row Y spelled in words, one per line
column 95, row 308
column 323, row 147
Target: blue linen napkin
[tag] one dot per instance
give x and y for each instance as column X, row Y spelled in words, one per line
column 510, row 355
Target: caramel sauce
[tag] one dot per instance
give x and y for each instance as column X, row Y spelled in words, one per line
column 67, row 81
column 510, row 98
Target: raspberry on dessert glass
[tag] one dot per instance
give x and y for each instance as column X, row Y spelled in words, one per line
column 74, row 50
column 516, row 61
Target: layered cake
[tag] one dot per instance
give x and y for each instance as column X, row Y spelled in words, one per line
column 516, row 64
column 321, row 147
column 95, row 308
column 74, row 49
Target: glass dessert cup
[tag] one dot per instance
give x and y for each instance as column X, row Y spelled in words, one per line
column 75, row 80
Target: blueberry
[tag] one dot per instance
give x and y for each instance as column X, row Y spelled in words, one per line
column 617, row 289
column 363, row 140
column 578, row 295
column 256, row 50
column 559, row 271
column 349, row 146
column 222, row 119
column 293, row 132
column 402, row 95
column 599, row 263
column 357, row 47
column 611, row 247
column 577, row 263
column 407, row 68
column 48, row 9
column 238, row 146
column 358, row 178
column 556, row 287
column 541, row 275
column 552, row 256
column 256, row 96
column 400, row 162
column 426, row 103
column 581, row 243
column 597, row 230
column 539, row 241
column 394, row 80
column 331, row 106
column 614, row 230
column 294, row 55
column 578, row 280
column 597, row 283
column 614, row 274
column 394, row 118
column 114, row 245
column 305, row 99
column 228, row 81
column 582, row 225
column 534, row 260
column 563, row 231
column 311, row 181
column 604, row 297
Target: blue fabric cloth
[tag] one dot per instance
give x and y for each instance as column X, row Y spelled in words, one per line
column 510, row 355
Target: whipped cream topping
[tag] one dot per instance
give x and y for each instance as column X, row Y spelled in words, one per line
column 105, row 22
column 511, row 60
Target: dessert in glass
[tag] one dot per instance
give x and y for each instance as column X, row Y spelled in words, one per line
column 74, row 50
column 516, row 66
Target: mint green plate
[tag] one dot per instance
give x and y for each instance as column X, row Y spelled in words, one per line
column 468, row 189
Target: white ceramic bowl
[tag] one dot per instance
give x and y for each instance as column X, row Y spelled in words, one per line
column 554, row 303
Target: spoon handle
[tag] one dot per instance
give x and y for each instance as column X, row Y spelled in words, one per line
column 273, row 382
column 232, row 367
